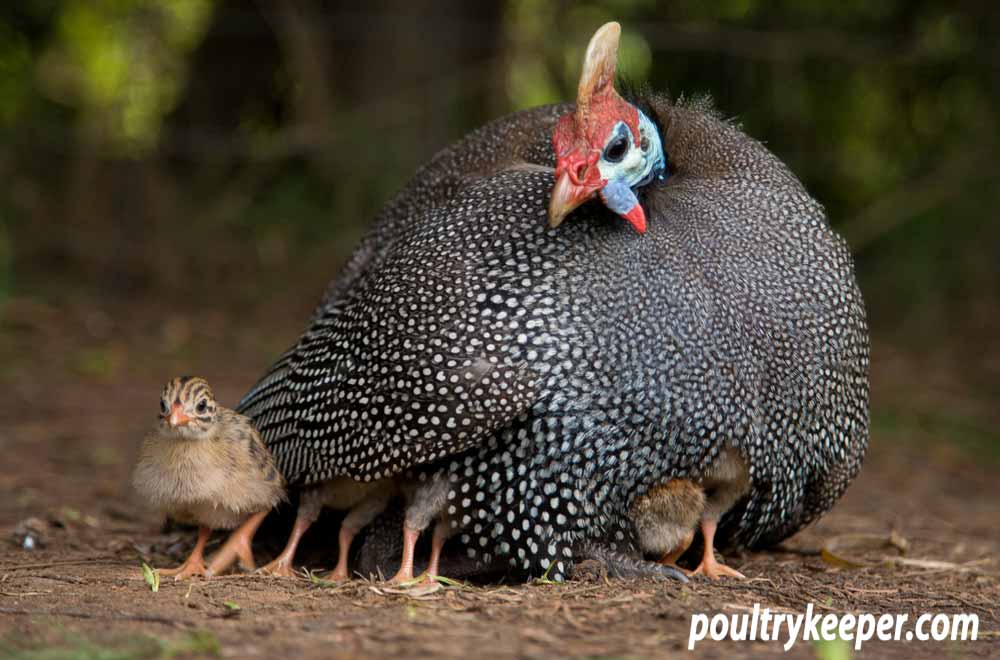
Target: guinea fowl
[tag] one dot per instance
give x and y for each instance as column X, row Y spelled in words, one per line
column 205, row 464
column 552, row 376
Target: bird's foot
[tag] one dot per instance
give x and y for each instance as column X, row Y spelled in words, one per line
column 714, row 570
column 673, row 565
column 618, row 564
column 339, row 575
column 405, row 574
column 429, row 578
column 190, row 568
column 236, row 548
column 280, row 567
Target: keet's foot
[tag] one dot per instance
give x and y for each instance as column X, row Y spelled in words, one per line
column 190, row 568
column 234, row 549
column 195, row 563
column 237, row 547
column 280, row 567
column 402, row 575
column 339, row 575
column 712, row 569
column 709, row 566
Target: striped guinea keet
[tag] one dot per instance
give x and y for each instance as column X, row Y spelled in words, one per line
column 188, row 407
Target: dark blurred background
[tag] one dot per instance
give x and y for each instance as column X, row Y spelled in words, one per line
column 181, row 178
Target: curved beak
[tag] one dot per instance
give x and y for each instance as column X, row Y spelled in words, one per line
column 177, row 416
column 566, row 196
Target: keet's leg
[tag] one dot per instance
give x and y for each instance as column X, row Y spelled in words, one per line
column 357, row 519
column 437, row 543
column 709, row 566
column 347, row 534
column 237, row 546
column 670, row 557
column 195, row 563
column 405, row 572
column 282, row 564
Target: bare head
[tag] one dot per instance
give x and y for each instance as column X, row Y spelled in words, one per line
column 187, row 407
column 607, row 147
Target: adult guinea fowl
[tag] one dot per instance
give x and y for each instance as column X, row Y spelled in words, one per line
column 550, row 377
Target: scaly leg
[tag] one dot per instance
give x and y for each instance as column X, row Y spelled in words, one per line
column 437, row 543
column 282, row 564
column 237, row 546
column 670, row 557
column 357, row 519
column 195, row 563
column 344, row 539
column 405, row 572
column 709, row 566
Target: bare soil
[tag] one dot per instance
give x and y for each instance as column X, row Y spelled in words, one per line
column 79, row 390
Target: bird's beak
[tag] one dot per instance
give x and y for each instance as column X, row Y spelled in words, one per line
column 566, row 196
column 177, row 416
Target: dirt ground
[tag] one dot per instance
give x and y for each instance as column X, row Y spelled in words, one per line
column 918, row 532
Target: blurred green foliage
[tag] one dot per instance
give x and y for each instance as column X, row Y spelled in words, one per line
column 272, row 132
column 122, row 64
column 140, row 646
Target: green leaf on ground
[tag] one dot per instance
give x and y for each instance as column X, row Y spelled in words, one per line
column 151, row 577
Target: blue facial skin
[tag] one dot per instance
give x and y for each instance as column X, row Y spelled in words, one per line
column 633, row 170
column 618, row 196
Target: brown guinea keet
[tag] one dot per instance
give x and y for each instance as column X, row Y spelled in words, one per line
column 206, row 465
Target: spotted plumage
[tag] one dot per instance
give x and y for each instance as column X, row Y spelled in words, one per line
column 552, row 376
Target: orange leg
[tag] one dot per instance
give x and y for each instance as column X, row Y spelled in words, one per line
column 437, row 543
column 670, row 557
column 282, row 564
column 709, row 567
column 347, row 534
column 405, row 572
column 195, row 563
column 237, row 546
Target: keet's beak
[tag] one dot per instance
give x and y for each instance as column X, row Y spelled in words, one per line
column 177, row 416
column 566, row 196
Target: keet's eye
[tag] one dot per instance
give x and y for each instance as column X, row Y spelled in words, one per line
column 163, row 407
column 202, row 407
column 615, row 151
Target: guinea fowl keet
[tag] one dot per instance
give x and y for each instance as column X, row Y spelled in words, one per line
column 665, row 519
column 551, row 375
column 206, row 465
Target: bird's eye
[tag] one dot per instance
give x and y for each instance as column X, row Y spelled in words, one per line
column 163, row 407
column 202, row 407
column 615, row 151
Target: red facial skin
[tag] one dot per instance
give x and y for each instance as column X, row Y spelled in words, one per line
column 579, row 138
column 637, row 218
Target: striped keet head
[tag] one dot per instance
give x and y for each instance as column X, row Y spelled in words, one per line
column 188, row 407
column 608, row 146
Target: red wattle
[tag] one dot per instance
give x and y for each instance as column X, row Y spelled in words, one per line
column 637, row 218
